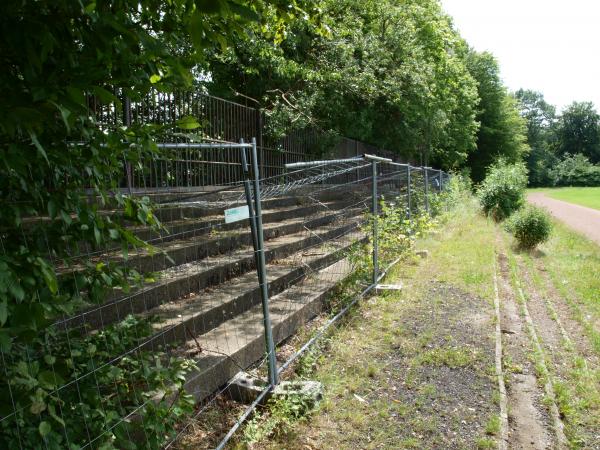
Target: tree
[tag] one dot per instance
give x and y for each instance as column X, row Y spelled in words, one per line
column 578, row 131
column 385, row 72
column 57, row 56
column 502, row 131
column 541, row 119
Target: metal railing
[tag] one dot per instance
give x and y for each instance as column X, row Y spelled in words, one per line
column 301, row 222
column 371, row 180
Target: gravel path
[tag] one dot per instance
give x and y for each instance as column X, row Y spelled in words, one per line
column 584, row 220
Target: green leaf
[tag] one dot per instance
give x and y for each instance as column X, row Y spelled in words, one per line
column 105, row 96
column 244, row 12
column 3, row 312
column 16, row 290
column 50, row 379
column 64, row 114
column 39, row 147
column 188, row 123
column 44, row 428
column 155, row 78
column 49, row 275
column 5, row 342
column 97, row 235
column 52, row 211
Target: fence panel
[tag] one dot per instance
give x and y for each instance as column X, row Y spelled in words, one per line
column 143, row 353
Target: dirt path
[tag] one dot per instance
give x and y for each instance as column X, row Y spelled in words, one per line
column 582, row 219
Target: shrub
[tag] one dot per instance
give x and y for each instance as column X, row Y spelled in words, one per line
column 502, row 191
column 530, row 226
column 575, row 170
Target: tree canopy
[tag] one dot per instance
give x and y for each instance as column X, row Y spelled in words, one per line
column 389, row 73
column 502, row 131
column 578, row 131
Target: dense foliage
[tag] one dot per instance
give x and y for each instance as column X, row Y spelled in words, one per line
column 541, row 119
column 502, row 191
column 502, row 132
column 530, row 226
column 565, row 148
column 389, row 73
column 575, row 170
column 58, row 169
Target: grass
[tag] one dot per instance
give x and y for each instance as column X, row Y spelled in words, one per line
column 572, row 265
column 383, row 369
column 584, row 196
column 402, row 356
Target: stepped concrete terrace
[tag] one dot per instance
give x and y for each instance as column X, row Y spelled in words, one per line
column 202, row 261
column 239, row 342
column 205, row 303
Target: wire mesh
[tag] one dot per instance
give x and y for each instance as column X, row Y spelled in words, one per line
column 162, row 324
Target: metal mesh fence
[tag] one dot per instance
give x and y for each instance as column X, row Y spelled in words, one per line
column 351, row 211
column 156, row 341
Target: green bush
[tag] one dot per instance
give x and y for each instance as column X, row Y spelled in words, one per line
column 530, row 226
column 502, row 191
column 575, row 170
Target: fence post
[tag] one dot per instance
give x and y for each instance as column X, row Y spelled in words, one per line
column 256, row 216
column 409, row 201
column 127, row 123
column 441, row 180
column 426, row 189
column 375, row 220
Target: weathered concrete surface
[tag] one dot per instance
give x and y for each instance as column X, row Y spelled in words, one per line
column 246, row 389
column 239, row 342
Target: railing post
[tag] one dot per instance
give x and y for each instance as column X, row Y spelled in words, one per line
column 261, row 267
column 409, row 200
column 127, row 123
column 375, row 220
column 426, row 189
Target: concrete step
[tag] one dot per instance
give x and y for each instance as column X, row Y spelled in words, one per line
column 187, row 227
column 237, row 343
column 178, row 320
column 197, row 247
column 179, row 281
column 205, row 206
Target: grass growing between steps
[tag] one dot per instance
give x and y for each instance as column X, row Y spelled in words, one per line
column 573, row 263
column 410, row 368
column 564, row 274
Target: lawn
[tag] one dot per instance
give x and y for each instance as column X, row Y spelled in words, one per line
column 584, row 196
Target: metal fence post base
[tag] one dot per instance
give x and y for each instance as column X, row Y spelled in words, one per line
column 375, row 220
column 259, row 251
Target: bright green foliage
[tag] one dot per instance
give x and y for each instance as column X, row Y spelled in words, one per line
column 530, row 226
column 54, row 412
column 575, row 170
column 502, row 131
column 502, row 191
column 58, row 168
column 541, row 120
column 385, row 72
column 578, row 131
